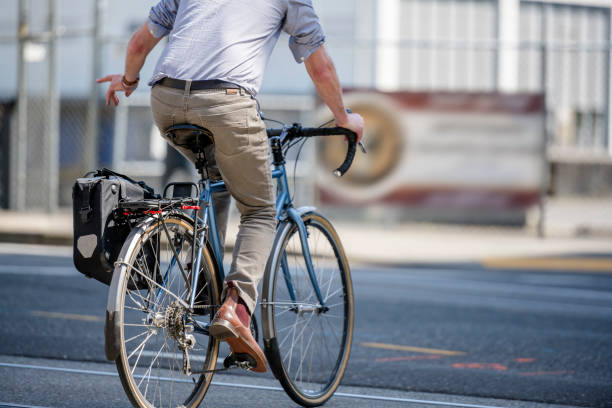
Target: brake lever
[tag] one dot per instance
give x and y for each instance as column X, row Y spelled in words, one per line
column 363, row 149
column 361, row 146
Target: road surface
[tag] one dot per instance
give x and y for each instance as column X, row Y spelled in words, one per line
column 468, row 335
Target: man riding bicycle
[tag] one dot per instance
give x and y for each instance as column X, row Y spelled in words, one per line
column 209, row 74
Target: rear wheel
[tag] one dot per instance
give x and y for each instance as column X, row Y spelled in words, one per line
column 160, row 347
column 307, row 343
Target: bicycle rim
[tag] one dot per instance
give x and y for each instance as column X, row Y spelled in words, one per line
column 311, row 345
column 153, row 317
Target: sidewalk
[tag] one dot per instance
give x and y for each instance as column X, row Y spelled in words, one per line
column 573, row 227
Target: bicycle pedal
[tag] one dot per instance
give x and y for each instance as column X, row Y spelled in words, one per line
column 241, row 360
column 229, row 361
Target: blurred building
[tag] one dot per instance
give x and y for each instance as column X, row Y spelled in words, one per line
column 54, row 126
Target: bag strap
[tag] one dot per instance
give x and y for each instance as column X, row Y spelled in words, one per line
column 104, row 172
column 85, row 211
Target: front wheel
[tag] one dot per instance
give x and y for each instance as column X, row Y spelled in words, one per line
column 308, row 343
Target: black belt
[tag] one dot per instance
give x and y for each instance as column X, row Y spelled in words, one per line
column 198, row 85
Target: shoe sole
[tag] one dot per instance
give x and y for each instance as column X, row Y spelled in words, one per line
column 224, row 331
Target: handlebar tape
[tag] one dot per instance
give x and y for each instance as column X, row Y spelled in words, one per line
column 352, row 144
column 332, row 131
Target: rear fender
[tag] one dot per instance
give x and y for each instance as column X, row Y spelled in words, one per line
column 112, row 326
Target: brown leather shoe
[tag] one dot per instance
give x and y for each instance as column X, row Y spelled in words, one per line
column 226, row 326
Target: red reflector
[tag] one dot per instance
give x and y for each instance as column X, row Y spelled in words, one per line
column 127, row 213
column 190, row 207
column 153, row 212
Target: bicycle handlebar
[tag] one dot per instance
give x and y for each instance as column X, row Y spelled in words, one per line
column 297, row 131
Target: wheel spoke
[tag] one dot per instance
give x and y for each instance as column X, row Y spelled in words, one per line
column 155, row 283
column 136, row 336
column 139, row 350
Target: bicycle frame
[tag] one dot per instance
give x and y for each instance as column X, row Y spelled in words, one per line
column 284, row 210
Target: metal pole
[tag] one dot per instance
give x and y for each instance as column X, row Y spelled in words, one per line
column 544, row 146
column 19, row 145
column 120, row 135
column 608, row 98
column 52, row 140
column 90, row 147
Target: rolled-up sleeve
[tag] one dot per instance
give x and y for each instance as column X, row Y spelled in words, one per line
column 161, row 17
column 302, row 24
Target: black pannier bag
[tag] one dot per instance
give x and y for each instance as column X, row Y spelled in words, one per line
column 99, row 233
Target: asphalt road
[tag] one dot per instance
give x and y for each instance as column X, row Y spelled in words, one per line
column 442, row 336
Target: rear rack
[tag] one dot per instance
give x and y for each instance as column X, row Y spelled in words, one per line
column 159, row 204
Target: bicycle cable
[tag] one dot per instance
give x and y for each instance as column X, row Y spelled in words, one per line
column 326, row 123
column 271, row 120
column 297, row 157
column 293, row 143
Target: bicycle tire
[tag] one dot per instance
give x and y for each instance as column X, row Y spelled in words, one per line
column 154, row 341
column 313, row 381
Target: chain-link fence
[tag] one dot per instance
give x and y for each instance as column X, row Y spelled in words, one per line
column 60, row 129
column 48, row 127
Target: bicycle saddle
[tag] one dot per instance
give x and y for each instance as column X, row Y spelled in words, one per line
column 192, row 137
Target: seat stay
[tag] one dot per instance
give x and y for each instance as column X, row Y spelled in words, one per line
column 195, row 269
column 169, row 270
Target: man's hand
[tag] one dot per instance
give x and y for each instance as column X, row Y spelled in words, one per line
column 116, row 85
column 141, row 43
column 353, row 122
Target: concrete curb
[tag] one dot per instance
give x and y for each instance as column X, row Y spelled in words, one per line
column 36, row 238
column 368, row 243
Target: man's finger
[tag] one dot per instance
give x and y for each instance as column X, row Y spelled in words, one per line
column 115, row 99
column 108, row 96
column 107, row 78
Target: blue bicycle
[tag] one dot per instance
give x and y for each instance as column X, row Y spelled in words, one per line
column 159, row 310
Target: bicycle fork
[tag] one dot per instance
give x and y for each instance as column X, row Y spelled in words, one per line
column 296, row 218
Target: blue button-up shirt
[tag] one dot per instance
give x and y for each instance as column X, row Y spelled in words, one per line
column 230, row 40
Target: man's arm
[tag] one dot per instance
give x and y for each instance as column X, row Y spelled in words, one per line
column 323, row 74
column 140, row 45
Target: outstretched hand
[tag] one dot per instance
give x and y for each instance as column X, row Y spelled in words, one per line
column 116, row 85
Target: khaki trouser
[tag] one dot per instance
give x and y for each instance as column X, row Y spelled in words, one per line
column 241, row 154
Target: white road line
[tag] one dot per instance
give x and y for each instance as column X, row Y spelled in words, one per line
column 38, row 270
column 13, row 405
column 58, row 251
column 248, row 386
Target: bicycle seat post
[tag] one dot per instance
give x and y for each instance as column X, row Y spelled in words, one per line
column 201, row 164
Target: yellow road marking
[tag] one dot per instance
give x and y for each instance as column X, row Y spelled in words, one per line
column 413, row 349
column 68, row 316
column 571, row 264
